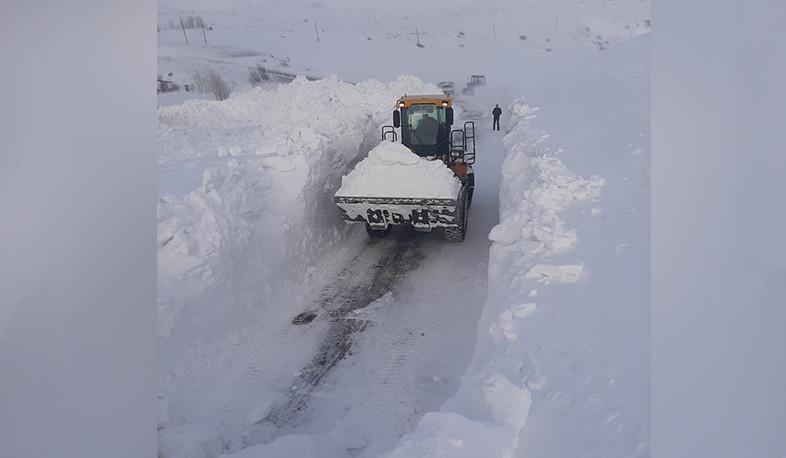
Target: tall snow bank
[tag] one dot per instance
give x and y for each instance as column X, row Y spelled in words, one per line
column 495, row 392
column 536, row 186
column 263, row 202
column 393, row 170
column 245, row 206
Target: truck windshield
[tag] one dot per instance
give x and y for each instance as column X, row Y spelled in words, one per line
column 423, row 124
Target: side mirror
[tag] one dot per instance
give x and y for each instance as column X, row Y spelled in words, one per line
column 449, row 116
column 396, row 119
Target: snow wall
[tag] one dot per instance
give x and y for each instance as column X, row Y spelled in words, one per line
column 492, row 404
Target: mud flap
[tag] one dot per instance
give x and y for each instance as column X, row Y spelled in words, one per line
column 420, row 220
column 377, row 219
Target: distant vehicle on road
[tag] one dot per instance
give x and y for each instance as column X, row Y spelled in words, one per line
column 477, row 80
column 474, row 81
column 448, row 87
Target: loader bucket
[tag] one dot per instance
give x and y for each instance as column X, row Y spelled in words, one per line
column 379, row 213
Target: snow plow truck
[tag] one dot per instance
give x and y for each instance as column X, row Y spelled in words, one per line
column 424, row 125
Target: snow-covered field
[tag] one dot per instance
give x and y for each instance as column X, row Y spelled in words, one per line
column 282, row 331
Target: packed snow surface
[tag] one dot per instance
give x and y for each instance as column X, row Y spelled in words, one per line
column 393, row 170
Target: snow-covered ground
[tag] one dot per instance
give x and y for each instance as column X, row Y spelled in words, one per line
column 530, row 338
column 554, row 359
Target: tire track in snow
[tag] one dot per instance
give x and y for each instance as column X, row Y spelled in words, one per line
column 368, row 277
column 256, row 359
column 391, row 411
column 252, row 363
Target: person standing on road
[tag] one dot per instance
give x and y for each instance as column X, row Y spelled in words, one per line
column 497, row 112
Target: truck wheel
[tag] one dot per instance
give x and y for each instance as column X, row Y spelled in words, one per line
column 457, row 233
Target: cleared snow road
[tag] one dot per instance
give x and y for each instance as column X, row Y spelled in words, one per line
column 393, row 323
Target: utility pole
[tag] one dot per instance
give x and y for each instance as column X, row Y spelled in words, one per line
column 203, row 33
column 184, row 29
column 417, row 34
column 316, row 30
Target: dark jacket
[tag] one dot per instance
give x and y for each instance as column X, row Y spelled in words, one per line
column 497, row 112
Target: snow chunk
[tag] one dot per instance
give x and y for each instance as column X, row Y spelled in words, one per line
column 505, row 233
column 523, row 310
column 506, row 328
column 259, row 413
column 450, row 434
column 389, row 153
column 499, row 400
column 563, row 274
column 392, row 170
column 490, row 395
column 555, row 237
column 282, row 164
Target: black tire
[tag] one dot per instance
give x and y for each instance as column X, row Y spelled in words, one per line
column 457, row 233
column 377, row 233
